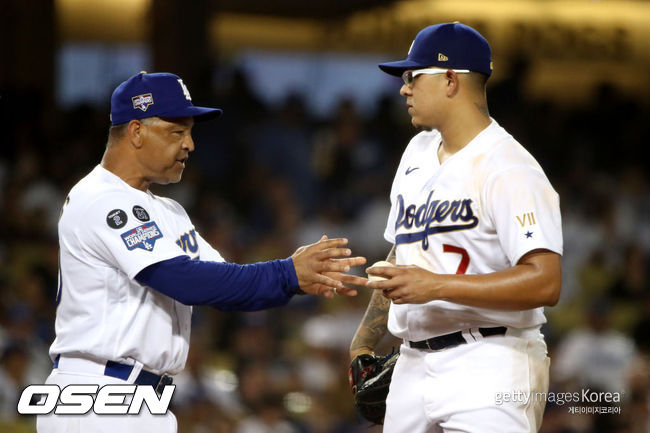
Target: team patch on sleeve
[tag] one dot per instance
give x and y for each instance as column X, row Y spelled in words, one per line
column 116, row 218
column 140, row 213
column 143, row 236
column 527, row 223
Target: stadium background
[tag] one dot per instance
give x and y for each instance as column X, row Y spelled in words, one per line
column 308, row 144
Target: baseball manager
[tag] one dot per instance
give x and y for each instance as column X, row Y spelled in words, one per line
column 132, row 264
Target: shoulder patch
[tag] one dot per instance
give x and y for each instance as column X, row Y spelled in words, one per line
column 140, row 213
column 143, row 236
column 116, row 218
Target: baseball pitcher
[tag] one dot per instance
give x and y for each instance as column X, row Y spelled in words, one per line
column 477, row 239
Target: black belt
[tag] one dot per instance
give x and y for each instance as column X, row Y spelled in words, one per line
column 123, row 371
column 454, row 339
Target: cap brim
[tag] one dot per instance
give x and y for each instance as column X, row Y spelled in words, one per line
column 398, row 68
column 198, row 113
column 204, row 113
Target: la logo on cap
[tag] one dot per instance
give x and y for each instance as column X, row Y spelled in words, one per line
column 142, row 101
column 185, row 91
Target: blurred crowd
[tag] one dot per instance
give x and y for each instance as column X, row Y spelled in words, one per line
column 264, row 180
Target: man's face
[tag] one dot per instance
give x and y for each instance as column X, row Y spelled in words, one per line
column 424, row 99
column 166, row 146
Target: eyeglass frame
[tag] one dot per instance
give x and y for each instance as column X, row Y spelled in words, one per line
column 427, row 71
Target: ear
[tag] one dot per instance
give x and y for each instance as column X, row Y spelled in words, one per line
column 452, row 83
column 135, row 132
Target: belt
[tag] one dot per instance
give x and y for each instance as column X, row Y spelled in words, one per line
column 454, row 339
column 123, row 371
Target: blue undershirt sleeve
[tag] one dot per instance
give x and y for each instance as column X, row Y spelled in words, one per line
column 225, row 286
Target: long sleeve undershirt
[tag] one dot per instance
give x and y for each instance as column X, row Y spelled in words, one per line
column 225, row 286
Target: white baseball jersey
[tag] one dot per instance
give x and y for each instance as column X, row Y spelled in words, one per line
column 108, row 232
column 478, row 212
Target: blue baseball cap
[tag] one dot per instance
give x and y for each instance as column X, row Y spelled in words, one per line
column 160, row 94
column 446, row 45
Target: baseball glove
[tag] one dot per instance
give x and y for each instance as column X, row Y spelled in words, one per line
column 370, row 378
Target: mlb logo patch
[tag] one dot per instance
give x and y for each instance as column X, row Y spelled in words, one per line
column 142, row 101
column 143, row 237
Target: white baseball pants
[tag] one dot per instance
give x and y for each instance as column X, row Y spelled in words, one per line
column 494, row 384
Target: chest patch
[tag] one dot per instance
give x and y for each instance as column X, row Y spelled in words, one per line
column 143, row 236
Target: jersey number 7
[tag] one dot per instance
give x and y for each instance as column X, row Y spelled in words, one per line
column 464, row 257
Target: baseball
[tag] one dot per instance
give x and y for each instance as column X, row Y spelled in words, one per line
column 376, row 277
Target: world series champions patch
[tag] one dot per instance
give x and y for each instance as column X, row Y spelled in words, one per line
column 144, row 236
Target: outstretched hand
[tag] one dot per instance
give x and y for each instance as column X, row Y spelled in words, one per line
column 320, row 268
column 404, row 284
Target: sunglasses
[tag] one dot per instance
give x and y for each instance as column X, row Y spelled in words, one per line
column 409, row 76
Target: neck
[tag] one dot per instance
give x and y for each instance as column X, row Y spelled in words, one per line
column 461, row 128
column 114, row 161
